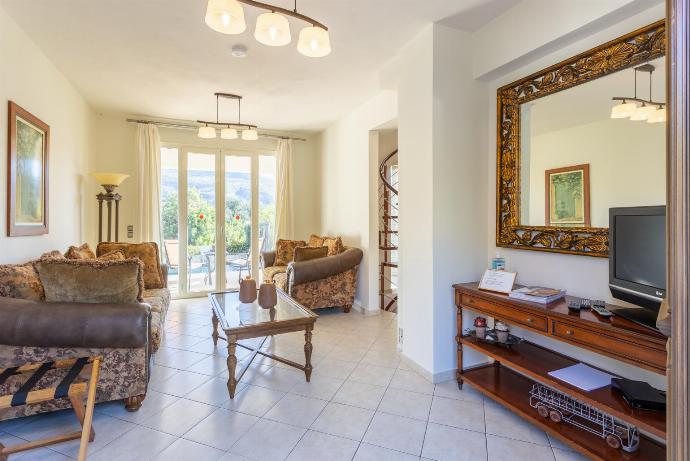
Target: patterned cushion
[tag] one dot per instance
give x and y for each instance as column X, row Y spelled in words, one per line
column 315, row 241
column 91, row 280
column 281, row 281
column 307, row 253
column 270, row 272
column 117, row 255
column 337, row 290
column 285, row 251
column 81, row 252
column 52, row 254
column 334, row 244
column 147, row 252
column 21, row 281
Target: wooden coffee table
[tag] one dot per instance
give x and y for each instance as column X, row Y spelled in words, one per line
column 245, row 321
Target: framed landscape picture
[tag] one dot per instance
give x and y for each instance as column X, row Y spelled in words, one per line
column 28, row 145
column 567, row 196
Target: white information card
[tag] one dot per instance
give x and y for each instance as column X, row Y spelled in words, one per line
column 498, row 281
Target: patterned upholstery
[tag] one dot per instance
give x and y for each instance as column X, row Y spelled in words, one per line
column 285, row 250
column 21, row 281
column 81, row 252
column 281, row 281
column 337, row 290
column 270, row 272
column 147, row 252
column 159, row 300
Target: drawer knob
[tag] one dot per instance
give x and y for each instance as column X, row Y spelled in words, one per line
column 530, row 320
column 569, row 332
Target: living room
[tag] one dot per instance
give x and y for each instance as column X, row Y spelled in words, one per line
column 159, row 113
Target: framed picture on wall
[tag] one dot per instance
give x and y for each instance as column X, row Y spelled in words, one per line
column 27, row 173
column 567, row 196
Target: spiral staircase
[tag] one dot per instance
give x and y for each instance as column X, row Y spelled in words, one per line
column 388, row 233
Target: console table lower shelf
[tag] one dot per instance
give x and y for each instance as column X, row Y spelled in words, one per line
column 511, row 389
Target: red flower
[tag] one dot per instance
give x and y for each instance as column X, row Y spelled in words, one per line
column 237, row 217
column 201, row 216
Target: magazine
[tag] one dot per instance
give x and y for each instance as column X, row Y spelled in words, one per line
column 537, row 294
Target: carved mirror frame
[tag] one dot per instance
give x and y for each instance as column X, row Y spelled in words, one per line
column 621, row 53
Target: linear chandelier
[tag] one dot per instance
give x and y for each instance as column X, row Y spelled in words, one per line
column 649, row 110
column 272, row 28
column 228, row 130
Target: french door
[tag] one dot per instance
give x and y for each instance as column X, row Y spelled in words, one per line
column 227, row 201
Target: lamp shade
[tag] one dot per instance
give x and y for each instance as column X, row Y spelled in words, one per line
column 623, row 110
column 314, row 42
column 225, row 16
column 110, row 179
column 658, row 116
column 250, row 134
column 272, row 29
column 206, row 132
column 642, row 112
column 228, row 133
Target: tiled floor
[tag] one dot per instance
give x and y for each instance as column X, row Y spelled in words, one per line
column 363, row 404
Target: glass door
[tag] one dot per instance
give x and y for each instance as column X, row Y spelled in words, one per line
column 215, row 193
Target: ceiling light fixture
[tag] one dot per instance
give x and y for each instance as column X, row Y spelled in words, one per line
column 272, row 28
column 228, row 130
column 649, row 110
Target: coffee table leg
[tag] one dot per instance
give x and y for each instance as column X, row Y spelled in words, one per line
column 214, row 319
column 232, row 365
column 307, row 352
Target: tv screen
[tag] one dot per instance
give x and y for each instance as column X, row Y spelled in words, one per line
column 640, row 249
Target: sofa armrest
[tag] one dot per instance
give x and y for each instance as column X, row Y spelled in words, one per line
column 268, row 258
column 166, row 270
column 38, row 324
column 321, row 268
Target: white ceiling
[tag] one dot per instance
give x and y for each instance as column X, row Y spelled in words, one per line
column 158, row 58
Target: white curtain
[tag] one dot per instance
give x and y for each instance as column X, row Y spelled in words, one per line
column 284, row 225
column 149, row 151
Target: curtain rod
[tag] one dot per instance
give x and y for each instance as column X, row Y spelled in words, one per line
column 183, row 126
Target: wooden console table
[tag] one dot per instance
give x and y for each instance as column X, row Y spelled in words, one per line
column 527, row 363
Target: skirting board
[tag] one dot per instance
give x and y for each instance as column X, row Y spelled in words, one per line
column 433, row 378
column 364, row 311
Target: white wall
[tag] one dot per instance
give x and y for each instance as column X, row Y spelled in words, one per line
column 580, row 275
column 28, row 78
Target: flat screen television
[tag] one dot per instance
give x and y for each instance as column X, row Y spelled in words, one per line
column 637, row 261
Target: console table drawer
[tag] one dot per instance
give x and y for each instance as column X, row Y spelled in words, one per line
column 609, row 345
column 536, row 322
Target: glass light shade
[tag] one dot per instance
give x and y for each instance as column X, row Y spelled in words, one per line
column 314, row 42
column 658, row 116
column 272, row 29
column 623, row 110
column 228, row 133
column 110, row 179
column 207, row 132
column 642, row 113
column 225, row 16
column 250, row 134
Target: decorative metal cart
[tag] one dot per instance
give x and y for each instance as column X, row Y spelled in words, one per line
column 558, row 406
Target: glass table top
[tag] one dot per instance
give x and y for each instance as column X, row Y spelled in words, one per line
column 233, row 314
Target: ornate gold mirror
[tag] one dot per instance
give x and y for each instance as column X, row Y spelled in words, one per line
column 568, row 148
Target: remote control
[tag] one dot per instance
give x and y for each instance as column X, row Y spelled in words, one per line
column 602, row 311
column 574, row 306
column 599, row 303
column 585, row 303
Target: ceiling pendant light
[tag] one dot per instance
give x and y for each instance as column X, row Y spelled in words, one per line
column 649, row 110
column 314, row 42
column 272, row 29
column 225, row 16
column 228, row 130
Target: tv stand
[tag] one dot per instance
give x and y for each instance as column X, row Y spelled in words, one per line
column 509, row 379
column 640, row 316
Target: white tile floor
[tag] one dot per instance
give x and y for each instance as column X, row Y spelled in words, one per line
column 363, row 404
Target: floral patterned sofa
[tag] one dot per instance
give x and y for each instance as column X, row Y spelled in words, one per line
column 92, row 318
column 320, row 279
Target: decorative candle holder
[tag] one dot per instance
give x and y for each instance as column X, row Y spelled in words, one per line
column 248, row 290
column 268, row 296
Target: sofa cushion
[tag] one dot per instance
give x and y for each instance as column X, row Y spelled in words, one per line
column 147, row 252
column 315, row 241
column 270, row 272
column 281, row 281
column 83, row 251
column 285, row 251
column 20, row 281
column 91, row 280
column 117, row 255
column 307, row 253
column 334, row 244
column 52, row 254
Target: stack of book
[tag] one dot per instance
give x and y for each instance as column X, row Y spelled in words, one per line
column 537, row 294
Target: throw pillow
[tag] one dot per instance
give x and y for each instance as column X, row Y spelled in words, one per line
column 334, row 244
column 285, row 251
column 307, row 253
column 92, row 280
column 20, row 281
column 315, row 241
column 52, row 254
column 80, row 252
column 117, row 255
column 147, row 252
